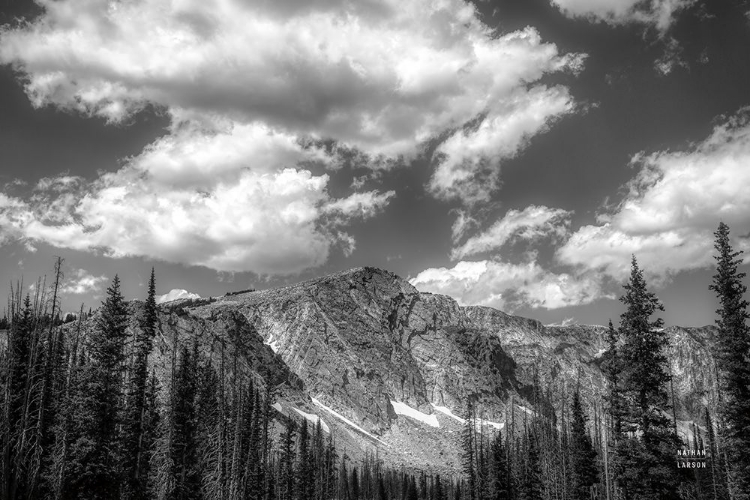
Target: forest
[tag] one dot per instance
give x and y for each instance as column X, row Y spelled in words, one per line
column 85, row 416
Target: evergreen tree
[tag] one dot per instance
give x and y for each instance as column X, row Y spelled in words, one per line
column 94, row 472
column 500, row 477
column 583, row 455
column 468, row 438
column 134, row 455
column 439, row 492
column 532, row 484
column 411, row 491
column 717, row 488
column 183, row 452
column 645, row 377
column 305, row 473
column 286, row 462
column 150, row 434
column 733, row 360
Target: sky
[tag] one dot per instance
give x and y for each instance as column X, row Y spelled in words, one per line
column 514, row 153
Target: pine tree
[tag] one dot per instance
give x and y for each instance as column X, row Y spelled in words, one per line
column 500, row 473
column 306, row 478
column 134, row 455
column 583, row 455
column 185, row 473
column 468, row 437
column 94, row 454
column 645, row 375
column 19, row 356
column 500, row 477
column 532, row 484
column 733, row 360
column 286, row 462
column 717, row 483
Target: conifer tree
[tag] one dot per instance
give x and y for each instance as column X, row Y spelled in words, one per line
column 500, row 477
column 286, row 462
column 733, row 360
column 305, row 473
column 645, row 375
column 94, row 457
column 532, row 484
column 468, row 452
column 185, row 473
column 19, row 356
column 134, row 455
column 583, row 455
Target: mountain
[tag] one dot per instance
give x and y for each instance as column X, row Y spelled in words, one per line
column 389, row 369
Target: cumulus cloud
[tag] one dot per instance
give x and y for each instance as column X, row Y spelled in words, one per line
column 673, row 205
column 532, row 223
column 657, row 13
column 266, row 223
column 380, row 77
column 81, row 281
column 509, row 286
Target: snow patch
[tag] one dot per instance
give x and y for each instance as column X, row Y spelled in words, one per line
column 480, row 422
column 347, row 421
column 273, row 344
column 176, row 294
column 277, row 407
column 313, row 419
column 446, row 411
column 523, row 408
column 496, row 425
column 408, row 411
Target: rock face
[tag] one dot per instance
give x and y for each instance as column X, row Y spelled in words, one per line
column 387, row 367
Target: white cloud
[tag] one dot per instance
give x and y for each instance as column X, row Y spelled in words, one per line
column 532, row 223
column 673, row 206
column 469, row 164
column 81, row 281
column 382, row 77
column 658, row 13
column 176, row 294
column 362, row 205
column 262, row 222
column 508, row 286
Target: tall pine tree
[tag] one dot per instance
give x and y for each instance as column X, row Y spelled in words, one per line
column 185, row 473
column 582, row 453
column 94, row 472
column 134, row 454
column 733, row 359
column 649, row 460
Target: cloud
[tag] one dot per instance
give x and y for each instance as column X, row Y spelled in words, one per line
column 379, row 77
column 268, row 223
column 532, row 223
column 176, row 294
column 509, row 286
column 672, row 208
column 469, row 160
column 657, row 13
column 82, row 282
column 363, row 205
